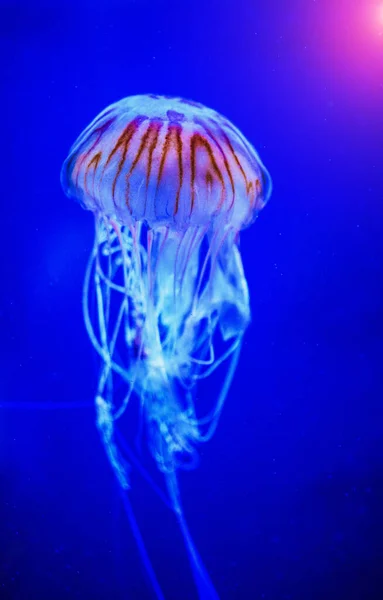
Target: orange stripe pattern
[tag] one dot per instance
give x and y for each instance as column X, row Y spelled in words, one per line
column 166, row 161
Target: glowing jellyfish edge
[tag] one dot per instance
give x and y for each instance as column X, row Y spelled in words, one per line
column 171, row 183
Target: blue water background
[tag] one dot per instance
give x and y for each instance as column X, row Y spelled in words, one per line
column 287, row 501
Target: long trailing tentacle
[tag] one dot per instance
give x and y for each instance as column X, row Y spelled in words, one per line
column 205, row 587
column 211, row 420
column 141, row 547
column 135, row 462
column 100, row 348
column 161, row 303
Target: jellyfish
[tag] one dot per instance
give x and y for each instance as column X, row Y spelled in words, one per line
column 171, row 184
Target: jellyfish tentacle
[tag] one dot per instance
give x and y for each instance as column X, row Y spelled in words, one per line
column 104, row 377
column 204, row 584
column 136, row 463
column 105, row 425
column 213, row 417
column 160, row 304
column 141, row 547
column 88, row 321
column 232, row 348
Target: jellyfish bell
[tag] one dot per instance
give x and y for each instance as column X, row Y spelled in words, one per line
column 167, row 162
column 171, row 183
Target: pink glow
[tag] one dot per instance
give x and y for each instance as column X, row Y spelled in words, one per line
column 345, row 43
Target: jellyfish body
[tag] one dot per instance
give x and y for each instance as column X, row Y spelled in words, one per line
column 171, row 184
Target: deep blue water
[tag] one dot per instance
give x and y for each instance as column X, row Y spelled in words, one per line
column 287, row 501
